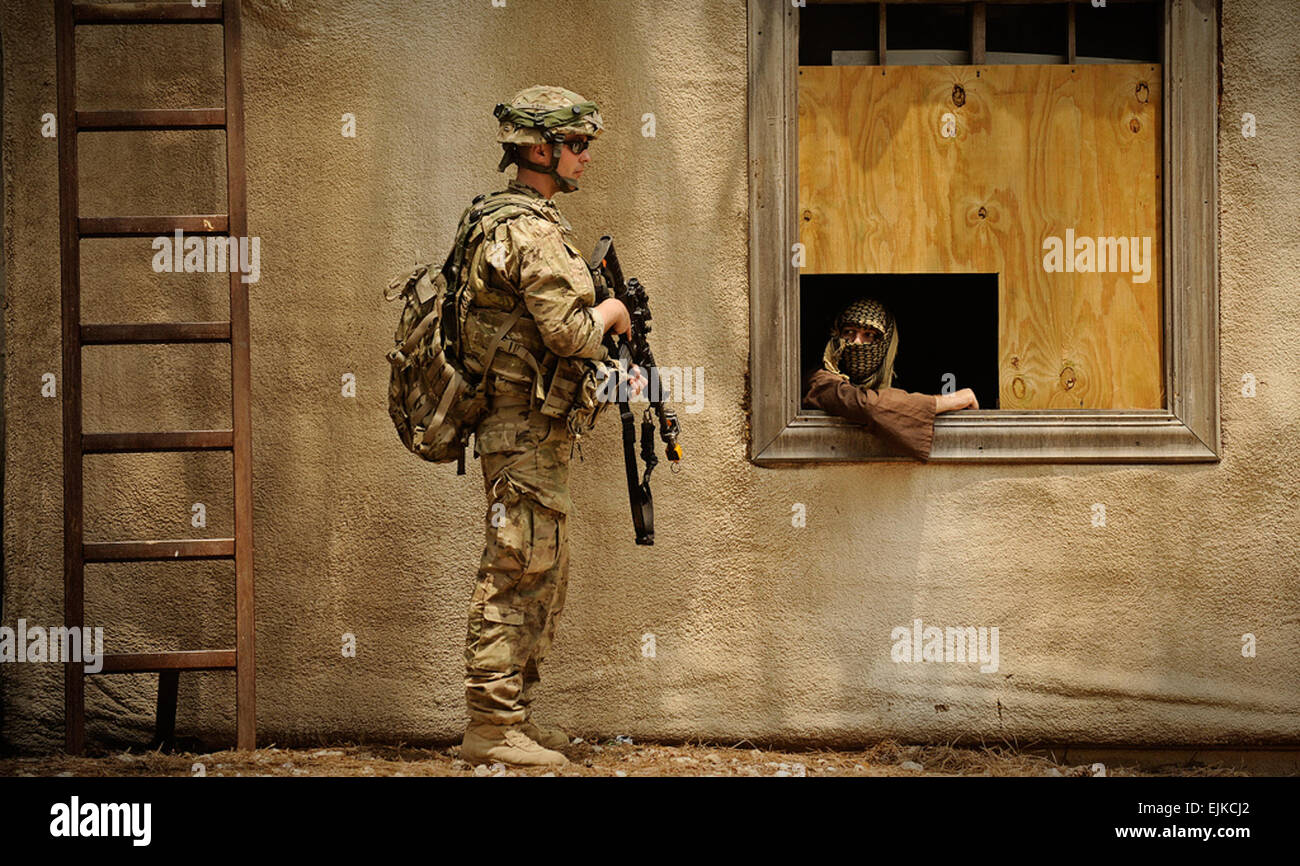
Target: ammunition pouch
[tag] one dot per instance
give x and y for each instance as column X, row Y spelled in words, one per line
column 574, row 393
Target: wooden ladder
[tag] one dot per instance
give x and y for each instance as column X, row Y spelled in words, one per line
column 74, row 227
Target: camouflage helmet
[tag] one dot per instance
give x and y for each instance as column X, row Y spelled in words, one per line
column 541, row 109
column 540, row 114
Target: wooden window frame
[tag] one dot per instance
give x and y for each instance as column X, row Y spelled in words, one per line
column 1187, row 430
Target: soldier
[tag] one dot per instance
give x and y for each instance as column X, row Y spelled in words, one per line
column 532, row 296
column 856, row 376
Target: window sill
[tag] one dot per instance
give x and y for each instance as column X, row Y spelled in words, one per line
column 1001, row 436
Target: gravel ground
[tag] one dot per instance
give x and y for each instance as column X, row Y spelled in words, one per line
column 589, row 756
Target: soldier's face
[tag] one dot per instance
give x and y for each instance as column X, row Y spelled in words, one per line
column 571, row 164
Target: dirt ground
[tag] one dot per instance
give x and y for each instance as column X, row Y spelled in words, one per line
column 591, row 756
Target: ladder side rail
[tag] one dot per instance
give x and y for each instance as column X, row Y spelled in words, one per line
column 241, row 385
column 70, row 307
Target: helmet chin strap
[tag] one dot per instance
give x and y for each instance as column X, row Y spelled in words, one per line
column 562, row 183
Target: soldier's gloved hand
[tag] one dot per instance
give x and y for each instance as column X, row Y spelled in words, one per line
column 636, row 381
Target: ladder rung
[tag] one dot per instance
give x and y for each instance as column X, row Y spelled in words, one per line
column 169, row 440
column 145, row 13
column 148, row 551
column 184, row 660
column 118, row 120
column 227, row 116
column 155, row 332
column 150, row 226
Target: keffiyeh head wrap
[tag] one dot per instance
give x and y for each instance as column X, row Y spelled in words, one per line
column 870, row 365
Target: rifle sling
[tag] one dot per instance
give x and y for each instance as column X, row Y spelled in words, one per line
column 634, row 489
column 638, row 491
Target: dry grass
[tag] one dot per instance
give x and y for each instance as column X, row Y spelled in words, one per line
column 588, row 758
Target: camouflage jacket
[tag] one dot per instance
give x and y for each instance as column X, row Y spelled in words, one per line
column 533, row 257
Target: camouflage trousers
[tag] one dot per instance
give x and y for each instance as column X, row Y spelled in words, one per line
column 519, row 592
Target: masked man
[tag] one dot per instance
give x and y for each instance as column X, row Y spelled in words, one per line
column 856, row 377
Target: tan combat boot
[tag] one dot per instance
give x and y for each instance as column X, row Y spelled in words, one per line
column 547, row 735
column 507, row 744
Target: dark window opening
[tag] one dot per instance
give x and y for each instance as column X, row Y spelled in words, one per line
column 947, row 327
column 940, row 34
column 1026, row 29
column 926, row 27
column 824, row 29
column 1124, row 32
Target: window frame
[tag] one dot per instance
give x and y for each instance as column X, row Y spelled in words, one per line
column 1187, row 430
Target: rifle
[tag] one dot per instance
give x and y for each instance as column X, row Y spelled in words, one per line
column 635, row 349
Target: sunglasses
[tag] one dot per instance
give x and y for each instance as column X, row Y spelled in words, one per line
column 578, row 145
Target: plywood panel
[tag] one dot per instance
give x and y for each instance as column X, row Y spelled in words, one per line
column 1035, row 152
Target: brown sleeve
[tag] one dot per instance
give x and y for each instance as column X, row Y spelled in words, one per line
column 901, row 418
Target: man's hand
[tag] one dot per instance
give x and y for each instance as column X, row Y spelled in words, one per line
column 963, row 399
column 636, row 381
column 615, row 316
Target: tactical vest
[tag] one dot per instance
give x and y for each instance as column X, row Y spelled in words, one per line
column 522, row 363
column 523, row 367
column 460, row 341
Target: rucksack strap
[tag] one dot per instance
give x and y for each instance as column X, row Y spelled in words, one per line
column 418, row 332
column 483, row 218
column 457, row 385
column 499, row 336
column 520, row 351
column 480, row 218
column 455, row 388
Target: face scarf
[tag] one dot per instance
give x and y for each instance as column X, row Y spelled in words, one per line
column 866, row 364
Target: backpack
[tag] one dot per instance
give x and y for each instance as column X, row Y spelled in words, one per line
column 434, row 400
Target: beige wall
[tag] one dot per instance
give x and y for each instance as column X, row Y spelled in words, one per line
column 1127, row 634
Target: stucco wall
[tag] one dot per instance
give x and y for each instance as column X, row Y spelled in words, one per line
column 1125, row 634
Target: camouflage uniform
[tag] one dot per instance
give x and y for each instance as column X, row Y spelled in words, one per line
column 529, row 256
column 525, row 460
